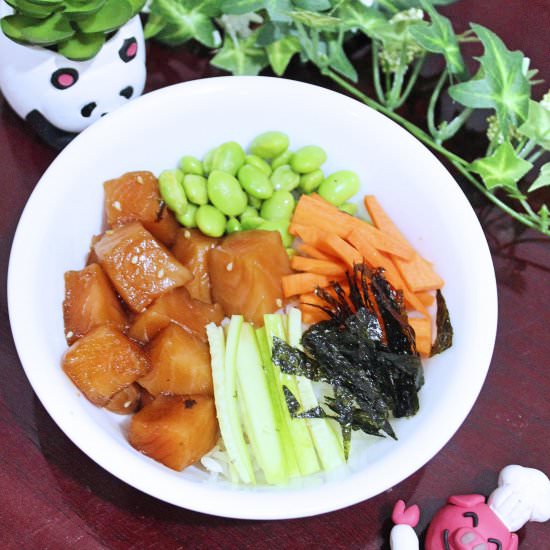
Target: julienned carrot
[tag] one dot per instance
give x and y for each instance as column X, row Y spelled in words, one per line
column 426, row 298
column 315, row 211
column 303, row 283
column 342, row 249
column 322, row 267
column 377, row 259
column 422, row 327
column 309, row 250
column 416, row 271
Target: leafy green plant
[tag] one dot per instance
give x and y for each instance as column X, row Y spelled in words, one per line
column 76, row 29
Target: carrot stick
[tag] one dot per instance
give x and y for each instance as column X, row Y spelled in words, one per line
column 426, row 298
column 302, row 283
column 422, row 327
column 309, row 250
column 322, row 267
column 342, row 249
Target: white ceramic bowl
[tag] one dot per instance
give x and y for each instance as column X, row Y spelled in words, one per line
column 152, row 133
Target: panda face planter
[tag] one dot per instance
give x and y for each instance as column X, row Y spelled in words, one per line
column 59, row 97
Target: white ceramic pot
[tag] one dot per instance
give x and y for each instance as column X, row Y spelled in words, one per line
column 60, row 97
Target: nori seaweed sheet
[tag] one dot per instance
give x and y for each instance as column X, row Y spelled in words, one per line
column 444, row 337
column 366, row 351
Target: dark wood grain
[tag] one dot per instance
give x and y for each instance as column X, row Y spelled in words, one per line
column 53, row 496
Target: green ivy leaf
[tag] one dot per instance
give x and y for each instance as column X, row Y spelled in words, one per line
column 281, row 52
column 504, row 168
column 272, row 31
column 240, row 7
column 112, row 15
column 406, row 4
column 439, row 37
column 241, row 56
column 338, row 60
column 82, row 47
column 543, row 179
column 315, row 20
column 313, row 5
column 544, row 214
column 537, row 125
column 500, row 85
column 355, row 15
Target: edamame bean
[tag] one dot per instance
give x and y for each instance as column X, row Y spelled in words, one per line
column 191, row 165
column 285, row 178
column 195, row 188
column 228, row 157
column 188, row 219
column 172, row 192
column 339, row 187
column 307, row 159
column 253, row 201
column 283, row 158
column 309, row 182
column 225, row 193
column 233, row 225
column 207, row 161
column 251, row 222
column 255, row 182
column 269, row 144
column 279, row 207
column 259, row 163
column 210, row 220
column 249, row 211
column 282, row 227
column 349, row 208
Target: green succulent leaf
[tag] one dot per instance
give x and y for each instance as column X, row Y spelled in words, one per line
column 241, row 56
column 112, row 15
column 75, row 9
column 42, row 32
column 439, row 37
column 186, row 20
column 500, row 85
column 81, row 47
column 281, row 52
column 25, row 7
column 543, row 179
column 537, row 125
column 355, row 15
column 155, row 24
column 137, row 5
column 48, row 2
column 504, row 168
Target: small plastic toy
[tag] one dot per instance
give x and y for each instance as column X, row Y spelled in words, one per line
column 467, row 522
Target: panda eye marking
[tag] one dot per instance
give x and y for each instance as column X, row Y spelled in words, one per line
column 64, row 78
column 88, row 109
column 127, row 92
column 128, row 50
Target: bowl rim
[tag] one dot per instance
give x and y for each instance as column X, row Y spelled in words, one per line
column 206, row 497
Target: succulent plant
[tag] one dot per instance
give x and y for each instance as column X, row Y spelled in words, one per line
column 76, row 29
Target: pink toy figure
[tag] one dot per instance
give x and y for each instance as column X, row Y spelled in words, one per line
column 467, row 522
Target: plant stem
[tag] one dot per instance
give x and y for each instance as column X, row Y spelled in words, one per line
column 397, row 85
column 535, row 156
column 454, row 126
column 376, row 73
column 460, row 164
column 412, row 81
column 528, row 209
column 433, row 102
column 527, row 148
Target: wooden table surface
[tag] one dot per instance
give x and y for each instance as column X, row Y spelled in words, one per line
column 53, row 496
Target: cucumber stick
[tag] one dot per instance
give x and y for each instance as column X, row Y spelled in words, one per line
column 224, row 374
column 327, row 442
column 257, row 408
column 304, row 447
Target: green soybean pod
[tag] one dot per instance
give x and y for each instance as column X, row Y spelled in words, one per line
column 282, row 227
column 172, row 192
column 284, row 177
column 259, row 163
column 283, row 158
column 253, row 201
column 269, row 144
column 349, row 208
column 255, row 182
column 279, row 207
column 210, row 220
column 307, row 159
column 233, row 225
column 195, row 188
column 226, row 194
column 188, row 218
column 309, row 182
column 339, row 187
column 191, row 165
column 228, row 157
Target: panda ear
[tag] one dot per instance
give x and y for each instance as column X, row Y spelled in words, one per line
column 128, row 50
column 64, row 78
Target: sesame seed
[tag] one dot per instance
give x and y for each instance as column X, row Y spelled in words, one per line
column 116, row 205
column 142, row 258
column 139, row 179
column 109, row 232
column 160, row 273
column 70, row 334
column 229, row 266
column 127, row 404
column 279, row 302
column 187, row 234
column 134, row 260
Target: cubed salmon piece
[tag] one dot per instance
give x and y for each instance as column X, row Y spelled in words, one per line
column 134, row 197
column 177, row 307
column 92, row 257
column 125, row 401
column 180, row 364
column 139, row 266
column 175, row 430
column 191, row 249
column 246, row 271
column 90, row 301
column 103, row 362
